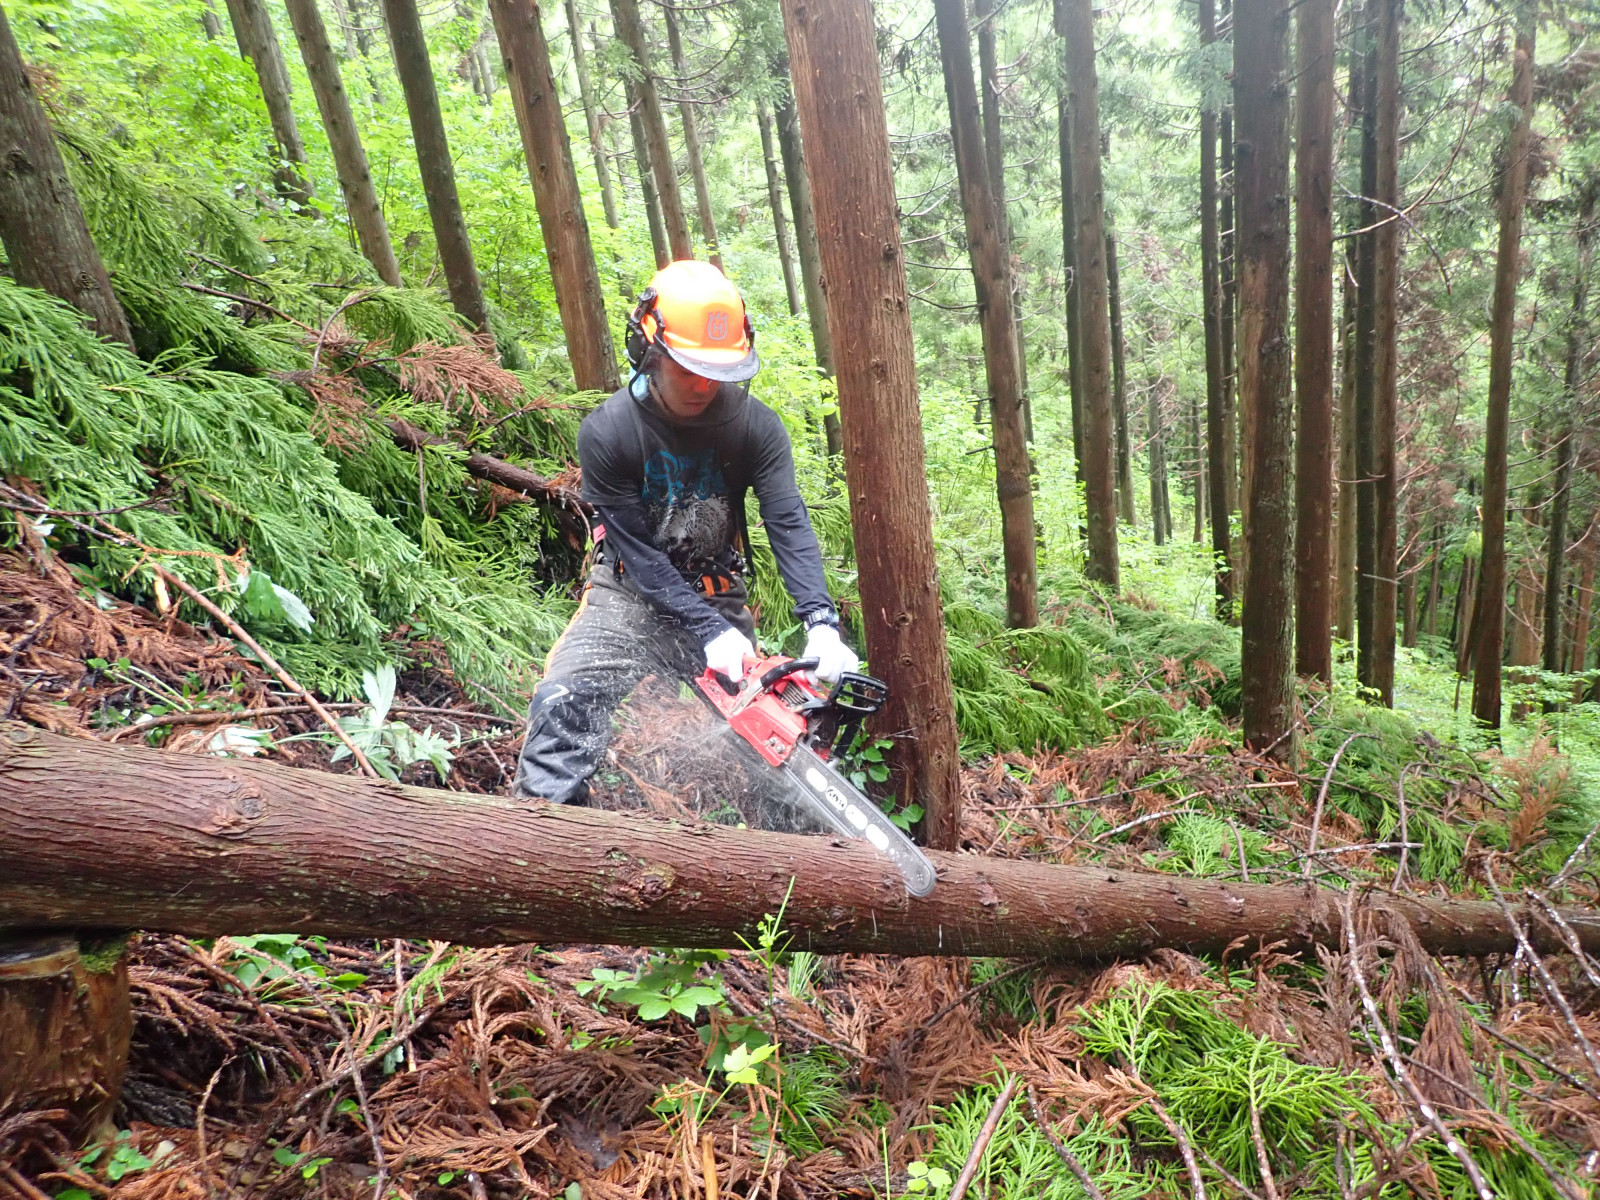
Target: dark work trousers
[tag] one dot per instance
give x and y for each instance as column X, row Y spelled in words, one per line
column 614, row 640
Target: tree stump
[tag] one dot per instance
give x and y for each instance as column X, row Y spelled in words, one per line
column 65, row 1024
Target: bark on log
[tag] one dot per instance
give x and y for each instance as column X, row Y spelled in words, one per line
column 65, row 1024
column 208, row 847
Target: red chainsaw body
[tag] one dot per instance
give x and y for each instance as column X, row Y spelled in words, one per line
column 760, row 717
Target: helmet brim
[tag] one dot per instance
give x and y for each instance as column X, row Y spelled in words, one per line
column 737, row 370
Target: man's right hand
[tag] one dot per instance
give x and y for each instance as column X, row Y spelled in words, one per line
column 725, row 654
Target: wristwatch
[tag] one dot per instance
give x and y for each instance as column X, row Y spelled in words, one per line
column 820, row 616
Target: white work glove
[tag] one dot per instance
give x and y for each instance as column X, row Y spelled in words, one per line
column 833, row 657
column 726, row 653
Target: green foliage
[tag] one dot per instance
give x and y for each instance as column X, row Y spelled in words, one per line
column 1210, row 1074
column 669, row 982
column 1019, row 689
column 390, row 746
column 1021, row 1164
column 234, row 466
column 813, row 1099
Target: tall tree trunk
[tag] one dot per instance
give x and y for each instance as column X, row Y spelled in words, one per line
column 647, row 176
column 1198, row 476
column 1075, row 24
column 486, row 870
column 1461, row 620
column 1313, row 331
column 1490, row 631
column 1261, row 100
column 994, row 148
column 1556, row 553
column 833, row 49
column 780, row 223
column 556, row 194
column 1219, row 425
column 1366, row 360
column 1409, row 571
column 630, row 31
column 1072, row 282
column 1344, row 573
column 1160, row 499
column 1345, row 567
column 41, row 224
column 1227, row 266
column 258, row 42
column 991, row 277
column 1577, row 352
column 1119, row 387
column 1583, row 607
column 210, row 22
column 358, row 21
column 1430, row 625
column 1386, row 276
column 341, row 18
column 691, row 143
column 344, row 140
column 411, row 64
column 591, row 115
column 792, row 149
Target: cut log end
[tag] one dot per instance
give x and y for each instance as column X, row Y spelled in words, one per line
column 65, row 1026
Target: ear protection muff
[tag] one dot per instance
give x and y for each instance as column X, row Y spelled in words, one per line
column 635, row 342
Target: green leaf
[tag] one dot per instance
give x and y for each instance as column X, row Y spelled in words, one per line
column 349, row 981
column 294, row 609
column 379, row 688
column 445, row 1177
column 654, row 1008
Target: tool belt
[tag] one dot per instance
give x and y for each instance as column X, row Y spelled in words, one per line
column 706, row 576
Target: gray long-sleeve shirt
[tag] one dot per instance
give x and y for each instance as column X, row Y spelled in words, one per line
column 670, row 494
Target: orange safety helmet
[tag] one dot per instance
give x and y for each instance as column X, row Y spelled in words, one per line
column 692, row 311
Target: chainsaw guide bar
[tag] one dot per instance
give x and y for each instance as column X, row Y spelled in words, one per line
column 796, row 729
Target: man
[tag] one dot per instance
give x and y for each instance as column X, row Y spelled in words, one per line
column 666, row 462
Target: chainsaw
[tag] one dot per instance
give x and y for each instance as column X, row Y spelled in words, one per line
column 798, row 729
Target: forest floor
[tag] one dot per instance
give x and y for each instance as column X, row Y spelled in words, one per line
column 607, row 1073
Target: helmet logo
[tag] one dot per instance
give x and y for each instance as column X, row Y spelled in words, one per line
column 716, row 325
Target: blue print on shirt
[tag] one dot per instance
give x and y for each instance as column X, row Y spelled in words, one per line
column 686, row 506
column 672, row 479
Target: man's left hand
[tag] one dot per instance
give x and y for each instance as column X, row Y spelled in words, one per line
column 833, row 657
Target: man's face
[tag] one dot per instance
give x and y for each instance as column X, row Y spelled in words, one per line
column 683, row 393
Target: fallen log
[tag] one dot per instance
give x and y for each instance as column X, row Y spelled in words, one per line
column 93, row 835
column 486, row 467
column 571, row 511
